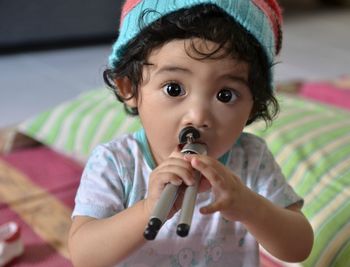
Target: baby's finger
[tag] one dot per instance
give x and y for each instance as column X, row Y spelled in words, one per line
column 207, row 171
column 164, row 177
column 176, row 153
column 211, row 208
column 176, row 174
column 204, row 185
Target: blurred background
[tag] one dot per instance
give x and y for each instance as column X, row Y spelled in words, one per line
column 52, row 51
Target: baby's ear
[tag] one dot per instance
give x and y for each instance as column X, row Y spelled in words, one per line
column 124, row 88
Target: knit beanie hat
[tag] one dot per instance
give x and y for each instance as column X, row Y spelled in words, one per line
column 261, row 18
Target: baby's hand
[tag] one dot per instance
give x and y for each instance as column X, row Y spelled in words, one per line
column 232, row 197
column 175, row 170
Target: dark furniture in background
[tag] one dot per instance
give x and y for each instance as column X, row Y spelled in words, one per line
column 34, row 23
column 37, row 23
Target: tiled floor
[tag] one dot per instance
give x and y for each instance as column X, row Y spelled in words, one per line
column 316, row 46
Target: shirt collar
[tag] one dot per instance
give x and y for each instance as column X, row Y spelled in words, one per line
column 141, row 138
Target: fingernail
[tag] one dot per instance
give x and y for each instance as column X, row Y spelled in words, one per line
column 177, row 182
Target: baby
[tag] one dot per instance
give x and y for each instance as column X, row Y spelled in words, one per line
column 205, row 64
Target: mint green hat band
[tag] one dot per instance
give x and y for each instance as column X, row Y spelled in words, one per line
column 256, row 17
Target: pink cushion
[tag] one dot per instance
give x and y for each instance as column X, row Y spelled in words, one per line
column 335, row 93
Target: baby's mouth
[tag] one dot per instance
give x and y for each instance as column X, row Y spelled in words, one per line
column 181, row 146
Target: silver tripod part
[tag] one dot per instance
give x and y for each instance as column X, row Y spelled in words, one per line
column 169, row 194
column 161, row 211
column 190, row 196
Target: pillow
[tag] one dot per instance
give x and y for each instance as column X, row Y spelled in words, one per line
column 335, row 92
column 75, row 127
column 310, row 141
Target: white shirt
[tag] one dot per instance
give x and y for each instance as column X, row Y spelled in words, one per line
column 116, row 177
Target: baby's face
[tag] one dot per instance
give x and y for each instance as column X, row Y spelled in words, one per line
column 211, row 95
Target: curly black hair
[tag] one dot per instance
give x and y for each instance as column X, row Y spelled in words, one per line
column 207, row 22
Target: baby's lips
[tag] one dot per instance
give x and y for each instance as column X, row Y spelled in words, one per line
column 176, row 152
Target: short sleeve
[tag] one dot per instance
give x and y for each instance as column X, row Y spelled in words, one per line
column 262, row 174
column 101, row 191
column 271, row 183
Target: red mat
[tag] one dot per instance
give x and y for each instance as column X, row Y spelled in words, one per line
column 37, row 191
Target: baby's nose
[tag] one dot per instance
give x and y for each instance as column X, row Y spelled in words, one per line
column 198, row 115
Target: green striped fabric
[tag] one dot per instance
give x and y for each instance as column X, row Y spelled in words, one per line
column 310, row 141
column 75, row 127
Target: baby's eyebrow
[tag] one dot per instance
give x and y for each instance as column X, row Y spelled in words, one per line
column 235, row 78
column 172, row 68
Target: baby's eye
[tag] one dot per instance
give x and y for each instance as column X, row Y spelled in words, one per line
column 226, row 96
column 173, row 89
